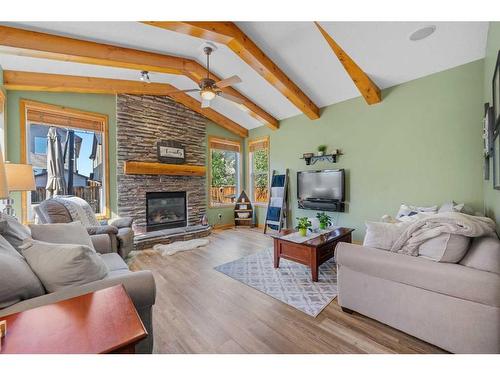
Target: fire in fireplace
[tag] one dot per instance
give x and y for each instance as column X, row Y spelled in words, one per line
column 166, row 210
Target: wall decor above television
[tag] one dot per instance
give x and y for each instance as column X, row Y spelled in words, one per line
column 321, row 190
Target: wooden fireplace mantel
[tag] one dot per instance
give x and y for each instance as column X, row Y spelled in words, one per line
column 139, row 167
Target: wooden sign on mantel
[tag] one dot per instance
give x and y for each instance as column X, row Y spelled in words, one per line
column 171, row 152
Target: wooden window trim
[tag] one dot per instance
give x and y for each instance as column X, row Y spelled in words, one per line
column 251, row 142
column 2, row 101
column 94, row 121
column 229, row 142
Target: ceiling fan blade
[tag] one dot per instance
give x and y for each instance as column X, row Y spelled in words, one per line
column 178, row 91
column 228, row 82
column 205, row 104
column 231, row 98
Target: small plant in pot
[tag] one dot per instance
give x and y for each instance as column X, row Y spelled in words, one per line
column 324, row 220
column 303, row 224
column 321, row 150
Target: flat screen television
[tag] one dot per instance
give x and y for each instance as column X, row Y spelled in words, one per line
column 321, row 190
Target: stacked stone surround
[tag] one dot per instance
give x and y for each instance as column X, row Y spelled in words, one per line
column 143, row 120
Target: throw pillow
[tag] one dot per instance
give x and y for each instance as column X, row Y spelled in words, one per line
column 451, row 207
column 382, row 235
column 17, row 280
column 72, row 233
column 445, row 248
column 409, row 210
column 13, row 231
column 59, row 266
column 484, row 254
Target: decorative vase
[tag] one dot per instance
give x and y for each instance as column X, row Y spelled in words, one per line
column 322, row 226
column 303, row 232
column 321, row 153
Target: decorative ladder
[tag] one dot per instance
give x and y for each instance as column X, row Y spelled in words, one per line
column 277, row 206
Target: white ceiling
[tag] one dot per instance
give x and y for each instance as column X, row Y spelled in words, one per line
column 381, row 49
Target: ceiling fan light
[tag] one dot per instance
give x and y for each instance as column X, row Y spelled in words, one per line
column 145, row 76
column 207, row 95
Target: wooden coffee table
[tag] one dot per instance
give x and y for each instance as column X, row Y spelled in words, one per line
column 313, row 252
column 105, row 321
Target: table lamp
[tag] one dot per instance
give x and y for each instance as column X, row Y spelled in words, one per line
column 19, row 178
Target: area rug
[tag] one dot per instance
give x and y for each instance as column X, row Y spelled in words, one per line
column 291, row 283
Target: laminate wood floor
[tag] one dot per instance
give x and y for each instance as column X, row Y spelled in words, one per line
column 199, row 310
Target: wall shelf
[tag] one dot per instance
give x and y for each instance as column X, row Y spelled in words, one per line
column 332, row 158
column 138, row 167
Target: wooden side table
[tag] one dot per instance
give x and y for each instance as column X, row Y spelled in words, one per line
column 311, row 253
column 101, row 322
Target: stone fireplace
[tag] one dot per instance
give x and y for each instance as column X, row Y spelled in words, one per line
column 166, row 210
column 142, row 121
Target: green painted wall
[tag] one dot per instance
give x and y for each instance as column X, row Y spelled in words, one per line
column 105, row 104
column 421, row 145
column 491, row 196
column 226, row 212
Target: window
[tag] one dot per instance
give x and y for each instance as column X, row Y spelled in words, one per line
column 83, row 146
column 40, row 145
column 225, row 171
column 258, row 166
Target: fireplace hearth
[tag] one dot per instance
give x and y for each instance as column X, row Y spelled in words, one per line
column 166, row 210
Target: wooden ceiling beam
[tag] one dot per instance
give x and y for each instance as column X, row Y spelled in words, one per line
column 16, row 80
column 229, row 34
column 41, row 45
column 365, row 85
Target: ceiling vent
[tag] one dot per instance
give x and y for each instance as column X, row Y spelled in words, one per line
column 422, row 33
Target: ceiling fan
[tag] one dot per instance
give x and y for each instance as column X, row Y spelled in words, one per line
column 209, row 88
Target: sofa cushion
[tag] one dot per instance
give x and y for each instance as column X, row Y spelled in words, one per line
column 382, row 235
column 446, row 278
column 114, row 262
column 484, row 254
column 13, row 231
column 54, row 212
column 446, row 248
column 17, row 280
column 67, row 233
column 59, row 266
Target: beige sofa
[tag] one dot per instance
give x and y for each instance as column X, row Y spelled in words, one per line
column 453, row 306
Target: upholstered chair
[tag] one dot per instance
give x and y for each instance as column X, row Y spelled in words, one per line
column 113, row 236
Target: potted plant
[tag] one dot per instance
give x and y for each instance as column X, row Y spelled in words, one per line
column 321, row 150
column 303, row 224
column 324, row 220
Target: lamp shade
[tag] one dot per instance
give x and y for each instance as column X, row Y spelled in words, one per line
column 20, row 177
column 4, row 191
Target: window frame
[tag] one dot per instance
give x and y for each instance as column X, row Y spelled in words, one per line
column 86, row 120
column 229, row 142
column 249, row 168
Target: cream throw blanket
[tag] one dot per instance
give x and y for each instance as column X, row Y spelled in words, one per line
column 428, row 227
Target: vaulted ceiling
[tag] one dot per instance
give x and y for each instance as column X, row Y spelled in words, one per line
column 298, row 50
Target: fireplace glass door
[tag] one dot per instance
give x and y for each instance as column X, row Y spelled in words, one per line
column 166, row 210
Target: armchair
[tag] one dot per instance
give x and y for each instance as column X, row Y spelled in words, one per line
column 116, row 236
